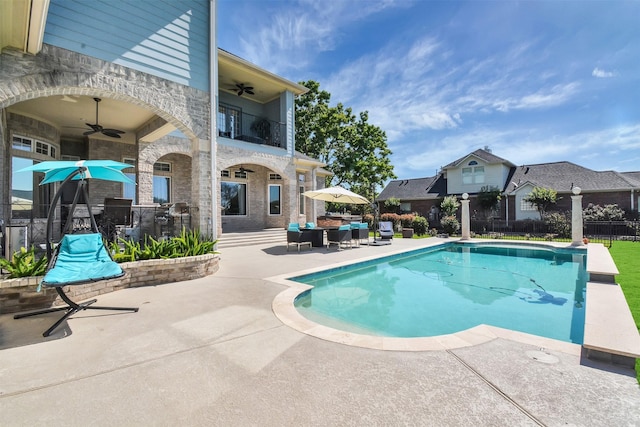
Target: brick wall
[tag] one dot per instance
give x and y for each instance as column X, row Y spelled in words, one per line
column 22, row 295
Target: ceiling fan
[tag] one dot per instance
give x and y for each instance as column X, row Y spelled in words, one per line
column 113, row 133
column 245, row 170
column 241, row 88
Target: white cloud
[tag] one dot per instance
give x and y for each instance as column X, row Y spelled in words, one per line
column 597, row 72
column 522, row 146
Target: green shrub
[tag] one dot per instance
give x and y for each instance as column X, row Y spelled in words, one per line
column 406, row 220
column 607, row 213
column 450, row 224
column 420, row 225
column 24, row 263
column 558, row 224
column 188, row 243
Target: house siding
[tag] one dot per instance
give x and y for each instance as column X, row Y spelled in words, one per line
column 164, row 38
column 494, row 176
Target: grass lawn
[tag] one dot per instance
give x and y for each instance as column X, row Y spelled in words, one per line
column 627, row 258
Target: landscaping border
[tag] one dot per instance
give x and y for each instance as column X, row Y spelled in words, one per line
column 22, row 295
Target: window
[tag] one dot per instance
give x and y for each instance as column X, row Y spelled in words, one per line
column 274, row 200
column 28, row 198
column 20, row 143
column 42, row 148
column 302, row 200
column 161, row 167
column 478, row 174
column 275, row 177
column 240, row 174
column 229, row 121
column 233, row 198
column 27, row 144
column 162, row 182
column 301, row 180
column 225, row 173
column 161, row 189
column 405, row 207
column 473, row 175
column 526, row 206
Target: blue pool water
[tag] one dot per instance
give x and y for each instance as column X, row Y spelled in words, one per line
column 451, row 288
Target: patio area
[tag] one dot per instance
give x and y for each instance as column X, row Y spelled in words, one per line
column 211, row 352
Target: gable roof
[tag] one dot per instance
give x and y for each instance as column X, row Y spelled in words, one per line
column 482, row 154
column 415, row 189
column 563, row 176
column 632, row 177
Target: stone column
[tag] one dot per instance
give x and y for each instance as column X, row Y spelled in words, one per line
column 576, row 218
column 466, row 218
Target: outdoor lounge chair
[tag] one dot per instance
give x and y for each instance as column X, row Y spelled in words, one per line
column 385, row 230
column 341, row 235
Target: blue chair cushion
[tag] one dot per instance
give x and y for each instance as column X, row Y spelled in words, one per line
column 355, row 225
column 310, row 225
column 82, row 258
column 345, row 227
column 294, row 226
column 364, row 225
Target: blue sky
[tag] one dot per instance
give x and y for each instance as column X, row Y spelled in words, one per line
column 535, row 81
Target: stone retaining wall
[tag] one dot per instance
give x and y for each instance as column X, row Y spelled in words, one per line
column 22, row 295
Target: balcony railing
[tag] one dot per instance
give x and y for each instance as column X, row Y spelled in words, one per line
column 249, row 128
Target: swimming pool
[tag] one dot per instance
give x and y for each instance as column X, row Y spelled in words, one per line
column 453, row 287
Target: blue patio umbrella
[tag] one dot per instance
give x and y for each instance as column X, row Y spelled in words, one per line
column 59, row 170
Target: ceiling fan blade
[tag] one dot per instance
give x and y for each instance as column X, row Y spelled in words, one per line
column 96, row 127
column 90, row 132
column 108, row 132
column 249, row 91
column 113, row 131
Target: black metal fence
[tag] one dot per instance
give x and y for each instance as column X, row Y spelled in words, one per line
column 158, row 222
column 595, row 231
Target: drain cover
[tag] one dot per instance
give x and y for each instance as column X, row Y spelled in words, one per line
column 542, row 356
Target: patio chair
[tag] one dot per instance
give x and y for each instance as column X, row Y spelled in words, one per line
column 341, row 235
column 385, row 230
column 359, row 232
column 295, row 236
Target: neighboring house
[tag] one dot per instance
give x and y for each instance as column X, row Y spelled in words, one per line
column 230, row 158
column 482, row 168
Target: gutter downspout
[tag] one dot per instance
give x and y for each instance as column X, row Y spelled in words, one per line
column 213, row 135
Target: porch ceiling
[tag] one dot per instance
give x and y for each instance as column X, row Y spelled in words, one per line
column 69, row 113
column 267, row 86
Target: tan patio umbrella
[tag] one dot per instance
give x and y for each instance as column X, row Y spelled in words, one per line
column 336, row 195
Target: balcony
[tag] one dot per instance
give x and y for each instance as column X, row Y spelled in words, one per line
column 234, row 124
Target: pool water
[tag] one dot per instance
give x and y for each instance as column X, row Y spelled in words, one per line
column 451, row 288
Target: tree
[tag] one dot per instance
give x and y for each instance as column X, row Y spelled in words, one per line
column 354, row 150
column 542, row 198
column 488, row 199
column 450, row 205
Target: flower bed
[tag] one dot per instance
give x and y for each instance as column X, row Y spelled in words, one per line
column 22, row 295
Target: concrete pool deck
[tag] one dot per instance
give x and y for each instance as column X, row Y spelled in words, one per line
column 211, row 352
